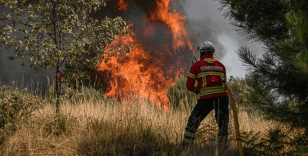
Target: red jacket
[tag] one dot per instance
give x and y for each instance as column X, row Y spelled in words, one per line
column 211, row 77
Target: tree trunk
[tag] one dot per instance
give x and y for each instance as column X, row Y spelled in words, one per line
column 58, row 94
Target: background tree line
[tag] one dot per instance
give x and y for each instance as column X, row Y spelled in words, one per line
column 282, row 26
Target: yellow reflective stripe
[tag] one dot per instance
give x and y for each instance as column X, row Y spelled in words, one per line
column 211, row 88
column 204, row 81
column 213, row 92
column 224, row 86
column 222, row 75
column 192, row 75
column 220, row 137
column 209, row 59
column 188, row 140
column 189, row 134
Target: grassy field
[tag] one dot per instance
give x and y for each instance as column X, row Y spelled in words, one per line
column 93, row 125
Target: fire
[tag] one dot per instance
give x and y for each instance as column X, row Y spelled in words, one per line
column 138, row 74
column 174, row 21
column 121, row 4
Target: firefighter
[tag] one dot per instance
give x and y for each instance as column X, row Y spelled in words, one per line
column 211, row 92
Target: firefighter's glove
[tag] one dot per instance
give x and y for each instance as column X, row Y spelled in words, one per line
column 197, row 92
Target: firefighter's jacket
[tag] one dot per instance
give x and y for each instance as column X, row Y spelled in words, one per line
column 211, row 77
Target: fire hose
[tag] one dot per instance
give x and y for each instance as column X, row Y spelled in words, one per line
column 236, row 125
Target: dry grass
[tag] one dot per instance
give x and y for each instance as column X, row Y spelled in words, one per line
column 102, row 128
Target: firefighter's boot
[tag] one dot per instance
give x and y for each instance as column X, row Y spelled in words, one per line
column 222, row 141
column 188, row 139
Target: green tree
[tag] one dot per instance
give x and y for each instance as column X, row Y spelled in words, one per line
column 260, row 21
column 282, row 27
column 57, row 33
column 297, row 45
column 269, row 22
column 244, row 94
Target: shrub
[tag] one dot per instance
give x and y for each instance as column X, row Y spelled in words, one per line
column 74, row 95
column 132, row 140
column 178, row 94
column 15, row 106
column 244, row 95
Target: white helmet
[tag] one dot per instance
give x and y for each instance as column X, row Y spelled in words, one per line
column 206, row 46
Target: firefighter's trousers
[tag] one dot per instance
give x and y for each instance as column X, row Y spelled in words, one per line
column 201, row 110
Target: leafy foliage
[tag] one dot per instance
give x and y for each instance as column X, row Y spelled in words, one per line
column 59, row 32
column 51, row 31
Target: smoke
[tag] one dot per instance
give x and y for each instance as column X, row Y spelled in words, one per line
column 154, row 36
column 203, row 23
column 206, row 22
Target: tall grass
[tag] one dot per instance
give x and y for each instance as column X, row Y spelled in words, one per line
column 180, row 98
column 93, row 124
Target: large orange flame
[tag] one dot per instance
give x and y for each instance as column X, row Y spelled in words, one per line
column 139, row 74
column 174, row 20
column 136, row 74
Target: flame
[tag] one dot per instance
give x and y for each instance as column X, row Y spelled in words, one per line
column 121, row 5
column 138, row 74
column 174, row 21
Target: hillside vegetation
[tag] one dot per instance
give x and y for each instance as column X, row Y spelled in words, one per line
column 93, row 124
